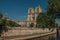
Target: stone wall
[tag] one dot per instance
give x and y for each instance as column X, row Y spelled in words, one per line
column 25, row 32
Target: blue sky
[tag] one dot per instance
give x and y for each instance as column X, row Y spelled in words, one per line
column 15, row 9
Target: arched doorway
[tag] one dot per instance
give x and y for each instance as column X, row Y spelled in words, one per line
column 32, row 25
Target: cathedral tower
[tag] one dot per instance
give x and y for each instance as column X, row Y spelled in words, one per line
column 38, row 9
column 32, row 15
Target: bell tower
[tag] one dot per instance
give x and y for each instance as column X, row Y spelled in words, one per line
column 38, row 9
column 32, row 15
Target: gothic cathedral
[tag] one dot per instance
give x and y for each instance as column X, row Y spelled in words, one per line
column 32, row 15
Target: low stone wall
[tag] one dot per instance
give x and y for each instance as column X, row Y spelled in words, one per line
column 36, row 35
column 25, row 32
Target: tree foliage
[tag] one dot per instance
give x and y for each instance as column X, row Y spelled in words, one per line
column 1, row 15
column 2, row 24
column 53, row 7
column 41, row 20
column 45, row 21
column 12, row 23
column 48, row 19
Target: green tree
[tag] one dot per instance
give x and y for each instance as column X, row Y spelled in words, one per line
column 45, row 21
column 1, row 15
column 12, row 23
column 41, row 20
column 53, row 7
column 52, row 11
column 2, row 24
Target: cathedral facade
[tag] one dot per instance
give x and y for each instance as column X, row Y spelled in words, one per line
column 32, row 15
